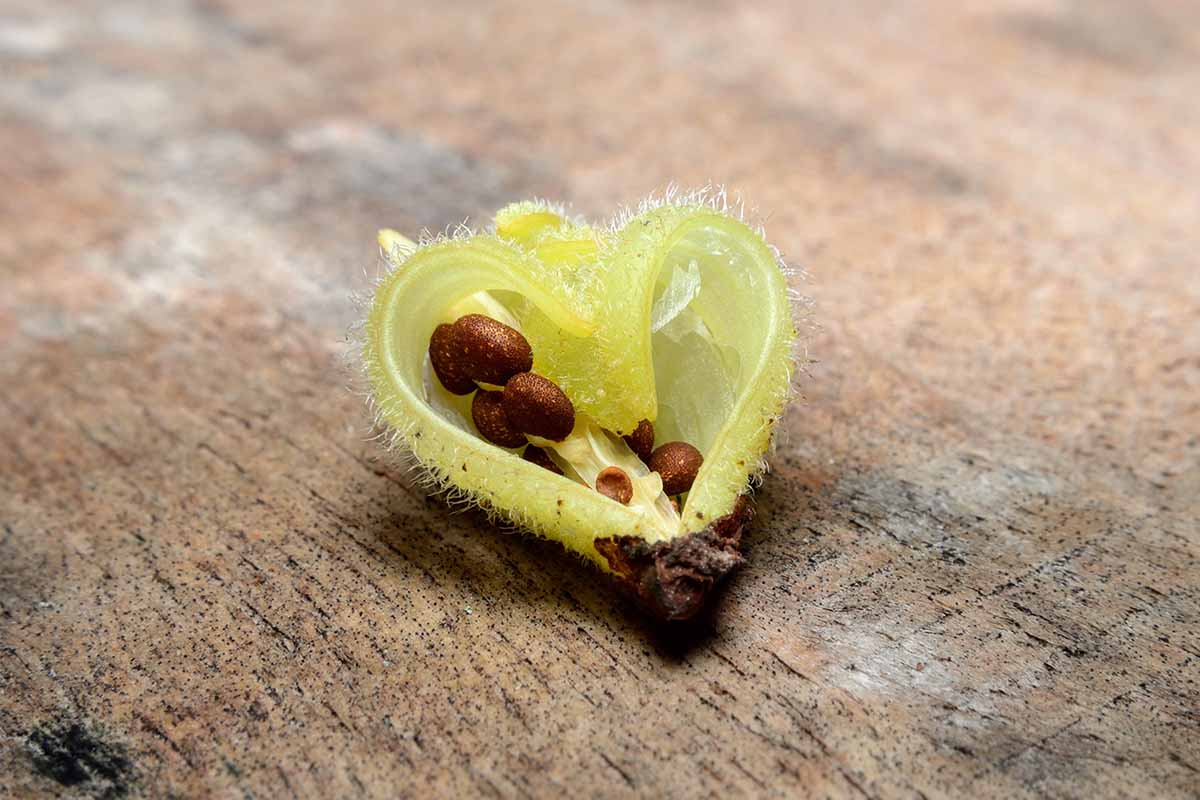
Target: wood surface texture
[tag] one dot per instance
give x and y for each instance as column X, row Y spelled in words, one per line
column 974, row 571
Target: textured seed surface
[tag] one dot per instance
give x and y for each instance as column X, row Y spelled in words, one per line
column 536, row 406
column 677, row 463
column 614, row 482
column 540, row 457
column 487, row 412
column 490, row 351
column 641, row 441
column 444, row 358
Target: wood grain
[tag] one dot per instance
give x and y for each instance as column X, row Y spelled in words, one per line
column 974, row 570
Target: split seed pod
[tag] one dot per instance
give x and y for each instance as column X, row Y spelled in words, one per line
column 676, row 315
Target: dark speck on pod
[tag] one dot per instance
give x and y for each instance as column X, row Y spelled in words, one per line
column 539, row 456
column 677, row 463
column 489, row 351
column 487, row 412
column 614, row 483
column 641, row 441
column 536, row 406
column 443, row 356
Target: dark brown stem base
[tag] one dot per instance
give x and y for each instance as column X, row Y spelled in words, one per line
column 674, row 579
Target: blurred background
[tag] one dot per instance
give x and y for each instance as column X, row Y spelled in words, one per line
column 205, row 564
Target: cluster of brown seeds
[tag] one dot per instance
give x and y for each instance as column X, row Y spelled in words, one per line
column 478, row 352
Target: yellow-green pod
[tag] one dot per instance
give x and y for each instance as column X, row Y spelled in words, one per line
column 679, row 314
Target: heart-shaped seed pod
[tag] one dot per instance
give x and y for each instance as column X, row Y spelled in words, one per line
column 677, row 463
column 677, row 312
column 490, row 351
column 537, row 407
column 487, row 412
column 641, row 441
column 613, row 482
column 539, row 456
column 444, row 358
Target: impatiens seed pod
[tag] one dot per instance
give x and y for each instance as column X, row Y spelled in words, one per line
column 674, row 321
column 537, row 407
column 614, row 483
column 677, row 463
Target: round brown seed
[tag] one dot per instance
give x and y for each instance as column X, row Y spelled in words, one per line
column 444, row 358
column 677, row 463
column 487, row 411
column 536, row 406
column 540, row 457
column 612, row 482
column 641, row 441
column 489, row 351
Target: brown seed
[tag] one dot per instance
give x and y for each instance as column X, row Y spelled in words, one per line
column 540, row 457
column 443, row 356
column 536, row 406
column 489, row 351
column 487, row 411
column 677, row 463
column 641, row 441
column 612, row 482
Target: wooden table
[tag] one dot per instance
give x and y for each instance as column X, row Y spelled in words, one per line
column 974, row 571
